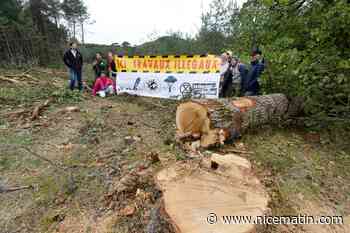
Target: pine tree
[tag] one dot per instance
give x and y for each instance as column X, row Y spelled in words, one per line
column 75, row 12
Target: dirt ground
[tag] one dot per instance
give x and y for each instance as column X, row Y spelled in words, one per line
column 87, row 164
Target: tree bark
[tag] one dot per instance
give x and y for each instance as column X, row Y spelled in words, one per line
column 216, row 121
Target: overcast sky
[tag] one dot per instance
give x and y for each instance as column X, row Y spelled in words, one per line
column 135, row 20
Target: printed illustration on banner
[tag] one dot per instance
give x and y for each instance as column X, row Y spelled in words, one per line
column 173, row 86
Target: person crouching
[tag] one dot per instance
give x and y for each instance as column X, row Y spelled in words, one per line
column 103, row 86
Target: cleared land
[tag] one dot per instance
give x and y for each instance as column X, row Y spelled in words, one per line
column 88, row 164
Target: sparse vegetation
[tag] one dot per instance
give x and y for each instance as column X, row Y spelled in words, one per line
column 109, row 138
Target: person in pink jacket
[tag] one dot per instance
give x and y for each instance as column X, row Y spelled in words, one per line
column 103, row 86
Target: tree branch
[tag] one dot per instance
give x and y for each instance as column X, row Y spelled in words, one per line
column 14, row 189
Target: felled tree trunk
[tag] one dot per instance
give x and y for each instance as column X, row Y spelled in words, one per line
column 196, row 198
column 216, row 121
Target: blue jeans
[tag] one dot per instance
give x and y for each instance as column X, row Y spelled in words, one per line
column 75, row 76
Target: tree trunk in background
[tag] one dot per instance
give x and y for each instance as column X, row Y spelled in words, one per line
column 82, row 33
column 74, row 31
column 215, row 121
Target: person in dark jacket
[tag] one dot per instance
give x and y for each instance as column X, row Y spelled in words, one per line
column 112, row 67
column 74, row 61
column 225, row 77
column 250, row 84
column 98, row 65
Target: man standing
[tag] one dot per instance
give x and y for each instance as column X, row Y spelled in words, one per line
column 74, row 61
column 250, row 84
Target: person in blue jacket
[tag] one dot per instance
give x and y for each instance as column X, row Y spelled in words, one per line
column 250, row 84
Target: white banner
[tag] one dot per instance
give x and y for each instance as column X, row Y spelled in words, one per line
column 169, row 85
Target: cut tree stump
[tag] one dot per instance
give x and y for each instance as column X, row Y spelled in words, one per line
column 217, row 121
column 192, row 194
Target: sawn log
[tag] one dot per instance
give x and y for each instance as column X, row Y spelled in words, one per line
column 217, row 121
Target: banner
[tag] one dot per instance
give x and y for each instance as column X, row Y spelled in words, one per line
column 169, row 85
column 170, row 64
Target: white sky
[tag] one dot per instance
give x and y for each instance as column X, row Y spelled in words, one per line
column 135, row 20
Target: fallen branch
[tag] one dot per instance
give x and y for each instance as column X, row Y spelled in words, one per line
column 38, row 109
column 19, row 75
column 14, row 189
column 14, row 81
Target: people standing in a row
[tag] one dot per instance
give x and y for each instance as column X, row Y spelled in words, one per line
column 237, row 79
column 74, row 61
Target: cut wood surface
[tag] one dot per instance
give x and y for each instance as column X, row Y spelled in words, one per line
column 216, row 121
column 193, row 193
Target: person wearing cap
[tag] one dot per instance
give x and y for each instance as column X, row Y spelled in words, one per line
column 239, row 73
column 225, row 77
column 250, row 84
column 74, row 61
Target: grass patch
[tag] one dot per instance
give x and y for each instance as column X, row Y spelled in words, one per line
column 24, row 95
column 66, row 96
column 293, row 168
column 23, row 138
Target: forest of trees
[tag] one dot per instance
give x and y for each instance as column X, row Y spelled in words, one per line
column 305, row 42
column 37, row 31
